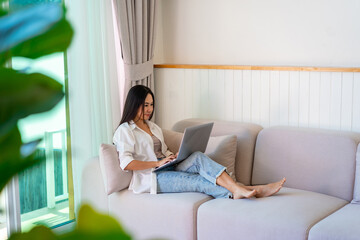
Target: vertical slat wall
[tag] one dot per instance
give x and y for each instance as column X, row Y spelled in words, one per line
column 328, row 100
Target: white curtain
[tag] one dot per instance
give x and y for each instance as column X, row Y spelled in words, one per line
column 94, row 67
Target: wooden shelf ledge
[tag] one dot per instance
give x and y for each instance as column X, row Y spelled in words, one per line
column 267, row 68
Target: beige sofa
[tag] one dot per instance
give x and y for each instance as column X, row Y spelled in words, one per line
column 320, row 199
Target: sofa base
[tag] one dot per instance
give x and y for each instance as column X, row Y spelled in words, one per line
column 165, row 216
column 287, row 215
column 341, row 225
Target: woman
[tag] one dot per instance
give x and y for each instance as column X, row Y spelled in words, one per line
column 141, row 148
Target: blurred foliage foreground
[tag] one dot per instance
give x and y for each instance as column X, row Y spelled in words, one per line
column 34, row 32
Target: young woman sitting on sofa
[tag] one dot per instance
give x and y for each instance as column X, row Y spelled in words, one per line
column 141, row 148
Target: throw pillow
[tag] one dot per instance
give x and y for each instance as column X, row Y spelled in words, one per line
column 114, row 177
column 221, row 149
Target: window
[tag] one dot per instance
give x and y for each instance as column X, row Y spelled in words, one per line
column 44, row 194
column 43, row 189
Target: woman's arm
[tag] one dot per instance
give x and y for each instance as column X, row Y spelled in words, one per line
column 141, row 165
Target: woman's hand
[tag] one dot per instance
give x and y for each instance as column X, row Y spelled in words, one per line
column 166, row 160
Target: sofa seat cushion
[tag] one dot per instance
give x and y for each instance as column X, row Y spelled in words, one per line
column 287, row 215
column 342, row 224
column 167, row 216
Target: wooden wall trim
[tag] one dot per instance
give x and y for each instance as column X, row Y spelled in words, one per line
column 268, row 68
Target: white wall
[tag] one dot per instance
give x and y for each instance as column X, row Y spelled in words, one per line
column 259, row 32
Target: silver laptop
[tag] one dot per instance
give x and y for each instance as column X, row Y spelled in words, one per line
column 195, row 139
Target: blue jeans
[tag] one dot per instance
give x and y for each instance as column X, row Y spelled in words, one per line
column 197, row 173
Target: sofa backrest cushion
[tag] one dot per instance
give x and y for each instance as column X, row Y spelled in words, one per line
column 246, row 134
column 322, row 161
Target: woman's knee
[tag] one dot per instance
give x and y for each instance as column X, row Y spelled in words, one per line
column 197, row 155
column 195, row 158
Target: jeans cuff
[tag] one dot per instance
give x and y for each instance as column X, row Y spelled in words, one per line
column 218, row 175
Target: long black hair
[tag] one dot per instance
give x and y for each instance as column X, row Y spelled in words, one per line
column 135, row 99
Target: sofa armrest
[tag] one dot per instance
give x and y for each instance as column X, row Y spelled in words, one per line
column 92, row 187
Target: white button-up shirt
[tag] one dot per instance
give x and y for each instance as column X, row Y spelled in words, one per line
column 133, row 143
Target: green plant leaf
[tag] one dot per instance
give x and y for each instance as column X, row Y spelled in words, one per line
column 12, row 161
column 26, row 23
column 12, row 143
column 34, row 32
column 38, row 233
column 56, row 39
column 90, row 226
column 24, row 94
column 3, row 12
column 82, row 235
column 93, row 222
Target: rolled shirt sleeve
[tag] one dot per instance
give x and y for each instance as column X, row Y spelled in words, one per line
column 125, row 142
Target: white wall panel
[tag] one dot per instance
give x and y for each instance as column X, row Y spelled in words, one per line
column 175, row 96
column 188, row 93
column 255, row 97
column 304, row 99
column 219, row 92
column 159, row 97
column 294, row 83
column 204, row 94
column 284, row 98
column 264, row 98
column 196, row 93
column 238, row 94
column 229, row 94
column 346, row 101
column 214, row 95
column 247, row 95
column 335, row 102
column 292, row 98
column 325, row 99
column 314, row 100
column 356, row 103
column 274, row 90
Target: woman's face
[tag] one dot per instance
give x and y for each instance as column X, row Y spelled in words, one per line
column 148, row 109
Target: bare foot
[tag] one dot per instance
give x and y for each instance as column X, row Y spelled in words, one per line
column 269, row 189
column 242, row 192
